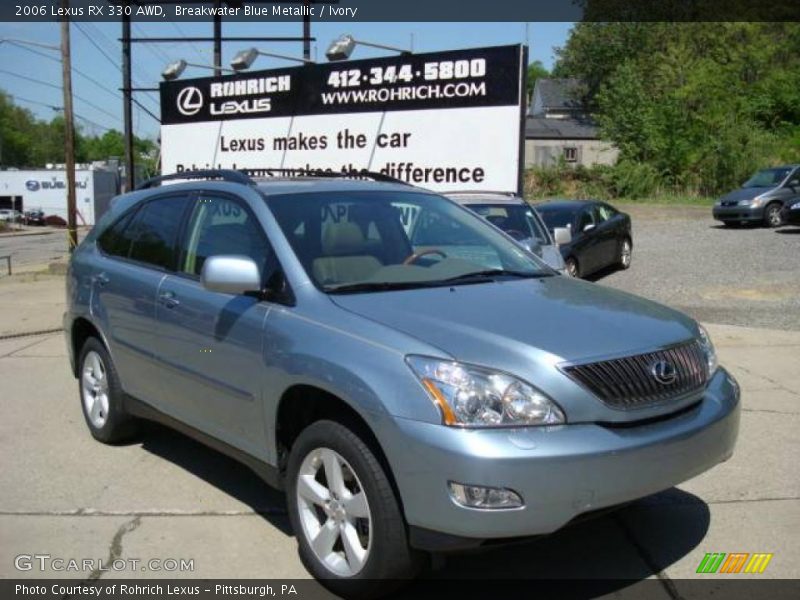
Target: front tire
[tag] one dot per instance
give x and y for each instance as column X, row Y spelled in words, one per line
column 102, row 398
column 349, row 526
column 625, row 254
column 772, row 215
column 571, row 268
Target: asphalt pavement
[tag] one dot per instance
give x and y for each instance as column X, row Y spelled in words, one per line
column 746, row 276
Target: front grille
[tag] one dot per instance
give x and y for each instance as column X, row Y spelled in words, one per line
column 629, row 382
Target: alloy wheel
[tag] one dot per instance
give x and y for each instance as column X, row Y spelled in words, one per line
column 571, row 267
column 625, row 254
column 94, row 389
column 334, row 512
column 774, row 215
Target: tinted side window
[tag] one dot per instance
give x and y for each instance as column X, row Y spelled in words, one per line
column 155, row 231
column 585, row 218
column 221, row 225
column 116, row 240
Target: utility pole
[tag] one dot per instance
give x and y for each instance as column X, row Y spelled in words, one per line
column 130, row 166
column 69, row 129
column 217, row 40
column 307, row 31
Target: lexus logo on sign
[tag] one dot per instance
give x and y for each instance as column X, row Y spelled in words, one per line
column 190, row 101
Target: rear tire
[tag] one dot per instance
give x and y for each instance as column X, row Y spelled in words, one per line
column 772, row 215
column 102, row 398
column 350, row 530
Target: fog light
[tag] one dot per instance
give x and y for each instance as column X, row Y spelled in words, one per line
column 478, row 496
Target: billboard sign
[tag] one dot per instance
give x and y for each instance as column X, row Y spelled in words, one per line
column 444, row 121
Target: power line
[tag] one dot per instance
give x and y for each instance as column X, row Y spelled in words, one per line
column 59, row 109
column 192, row 45
column 75, row 69
column 111, row 46
column 58, row 87
column 107, row 57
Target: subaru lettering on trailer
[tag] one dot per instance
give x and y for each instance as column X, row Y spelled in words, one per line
column 445, row 120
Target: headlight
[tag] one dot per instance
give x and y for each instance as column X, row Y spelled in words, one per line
column 708, row 349
column 795, row 206
column 746, row 202
column 472, row 396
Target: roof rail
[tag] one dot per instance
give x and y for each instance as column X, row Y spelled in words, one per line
column 487, row 192
column 224, row 174
column 374, row 175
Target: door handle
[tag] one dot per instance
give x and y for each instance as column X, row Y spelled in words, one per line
column 100, row 279
column 168, row 299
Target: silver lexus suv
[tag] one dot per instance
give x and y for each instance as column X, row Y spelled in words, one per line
column 410, row 376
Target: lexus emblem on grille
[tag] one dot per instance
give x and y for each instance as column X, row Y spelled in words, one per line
column 664, row 372
column 190, row 101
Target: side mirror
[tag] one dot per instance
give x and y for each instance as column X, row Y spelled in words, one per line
column 562, row 235
column 230, row 275
column 588, row 227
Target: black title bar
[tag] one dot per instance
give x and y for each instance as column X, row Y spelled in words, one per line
column 408, row 10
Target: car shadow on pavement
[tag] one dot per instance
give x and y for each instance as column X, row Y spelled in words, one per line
column 595, row 557
column 794, row 230
column 224, row 473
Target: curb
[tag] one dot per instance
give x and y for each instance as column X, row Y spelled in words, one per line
column 11, row 336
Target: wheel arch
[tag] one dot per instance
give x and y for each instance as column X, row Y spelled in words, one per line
column 300, row 405
column 81, row 329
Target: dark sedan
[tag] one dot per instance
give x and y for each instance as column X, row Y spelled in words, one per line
column 601, row 235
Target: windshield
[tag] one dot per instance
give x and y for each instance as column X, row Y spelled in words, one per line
column 767, row 178
column 354, row 241
column 517, row 220
column 556, row 216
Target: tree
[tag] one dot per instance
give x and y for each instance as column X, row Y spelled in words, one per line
column 535, row 70
column 702, row 103
column 26, row 141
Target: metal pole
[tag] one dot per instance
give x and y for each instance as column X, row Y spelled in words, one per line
column 217, row 41
column 130, row 164
column 307, row 31
column 69, row 129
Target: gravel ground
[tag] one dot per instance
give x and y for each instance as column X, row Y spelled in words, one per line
column 684, row 259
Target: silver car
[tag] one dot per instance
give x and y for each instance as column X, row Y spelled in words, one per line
column 411, row 377
column 761, row 198
column 520, row 220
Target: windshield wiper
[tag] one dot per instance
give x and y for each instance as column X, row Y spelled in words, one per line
column 491, row 274
column 376, row 286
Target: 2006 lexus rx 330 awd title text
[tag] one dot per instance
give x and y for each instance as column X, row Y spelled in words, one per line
column 413, row 378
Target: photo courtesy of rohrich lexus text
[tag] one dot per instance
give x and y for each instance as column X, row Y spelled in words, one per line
column 366, row 299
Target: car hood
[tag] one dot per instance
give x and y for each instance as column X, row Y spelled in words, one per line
column 489, row 322
column 745, row 193
column 528, row 327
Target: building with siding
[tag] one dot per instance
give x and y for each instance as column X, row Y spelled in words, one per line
column 558, row 127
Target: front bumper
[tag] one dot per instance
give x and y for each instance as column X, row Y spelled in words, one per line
column 738, row 213
column 560, row 472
